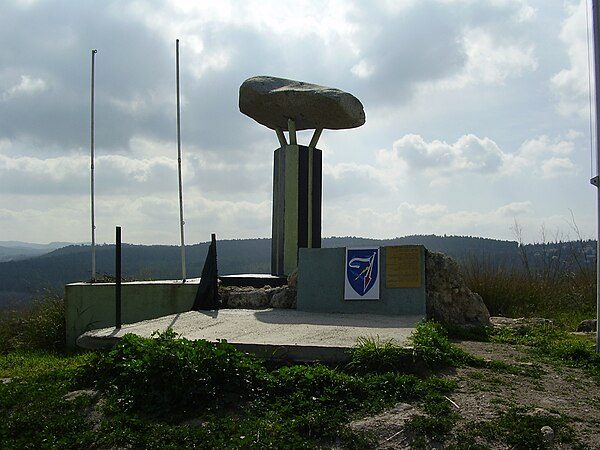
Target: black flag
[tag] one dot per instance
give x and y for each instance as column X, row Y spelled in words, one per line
column 207, row 297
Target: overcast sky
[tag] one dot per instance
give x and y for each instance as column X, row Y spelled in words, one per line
column 477, row 117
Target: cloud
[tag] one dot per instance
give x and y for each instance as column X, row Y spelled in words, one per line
column 27, row 86
column 571, row 85
column 473, row 155
column 468, row 154
column 543, row 157
column 404, row 48
column 491, row 62
column 353, row 181
column 473, row 109
column 27, row 175
column 416, row 218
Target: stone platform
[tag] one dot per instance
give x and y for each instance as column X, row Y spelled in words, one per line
column 270, row 333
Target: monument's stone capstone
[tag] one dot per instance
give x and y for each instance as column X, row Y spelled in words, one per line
column 449, row 300
column 272, row 101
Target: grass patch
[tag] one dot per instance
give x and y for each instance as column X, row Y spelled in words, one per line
column 429, row 349
column 519, row 427
column 555, row 345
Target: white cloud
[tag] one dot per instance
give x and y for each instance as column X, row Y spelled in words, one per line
column 362, row 69
column 468, row 154
column 27, row 86
column 490, row 60
column 414, row 218
column 571, row 85
column 28, row 175
column 542, row 157
column 355, row 181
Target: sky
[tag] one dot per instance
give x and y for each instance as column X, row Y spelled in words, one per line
column 477, row 117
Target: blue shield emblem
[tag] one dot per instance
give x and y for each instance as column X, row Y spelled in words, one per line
column 362, row 268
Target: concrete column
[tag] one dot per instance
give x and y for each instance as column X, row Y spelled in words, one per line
column 297, row 178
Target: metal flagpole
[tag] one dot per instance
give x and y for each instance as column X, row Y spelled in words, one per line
column 181, row 221
column 94, row 51
column 596, row 29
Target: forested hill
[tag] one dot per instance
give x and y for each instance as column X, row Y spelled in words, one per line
column 73, row 263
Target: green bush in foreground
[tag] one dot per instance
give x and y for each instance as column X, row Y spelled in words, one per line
column 170, row 374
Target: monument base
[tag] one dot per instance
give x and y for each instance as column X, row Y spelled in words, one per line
column 401, row 282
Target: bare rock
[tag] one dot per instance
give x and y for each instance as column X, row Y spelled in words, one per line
column 74, row 395
column 292, row 279
column 587, row 326
column 244, row 297
column 248, row 297
column 520, row 322
column 449, row 300
column 272, row 101
column 285, row 298
column 547, row 433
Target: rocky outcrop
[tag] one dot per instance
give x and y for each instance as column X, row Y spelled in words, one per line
column 285, row 298
column 587, row 326
column 272, row 101
column 449, row 300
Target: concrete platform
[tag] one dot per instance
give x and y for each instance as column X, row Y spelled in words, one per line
column 270, row 333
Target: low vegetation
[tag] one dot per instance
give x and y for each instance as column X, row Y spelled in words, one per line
column 42, row 326
column 168, row 392
column 560, row 284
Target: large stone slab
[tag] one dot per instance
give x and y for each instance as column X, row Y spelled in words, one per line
column 272, row 101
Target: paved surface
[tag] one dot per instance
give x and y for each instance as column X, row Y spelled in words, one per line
column 270, row 333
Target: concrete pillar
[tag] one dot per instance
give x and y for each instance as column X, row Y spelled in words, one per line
column 297, row 180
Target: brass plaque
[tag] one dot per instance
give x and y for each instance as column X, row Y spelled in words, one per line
column 403, row 267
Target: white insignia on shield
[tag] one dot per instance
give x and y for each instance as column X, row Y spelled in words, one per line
column 362, row 270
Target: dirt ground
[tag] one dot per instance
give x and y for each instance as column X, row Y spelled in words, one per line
column 483, row 394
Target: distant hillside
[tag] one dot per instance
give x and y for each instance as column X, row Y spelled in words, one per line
column 15, row 250
column 21, row 278
column 73, row 263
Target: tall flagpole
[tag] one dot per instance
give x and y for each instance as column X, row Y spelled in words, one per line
column 94, row 51
column 596, row 28
column 181, row 221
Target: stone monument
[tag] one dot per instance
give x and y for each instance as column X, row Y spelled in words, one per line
column 287, row 105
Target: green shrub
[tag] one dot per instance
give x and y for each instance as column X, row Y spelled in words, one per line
column 372, row 355
column 42, row 326
column 170, row 375
column 431, row 345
